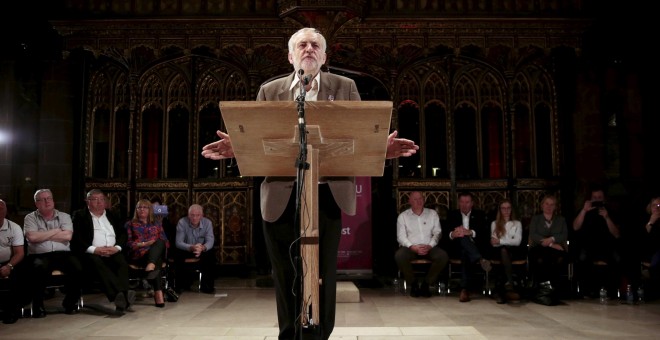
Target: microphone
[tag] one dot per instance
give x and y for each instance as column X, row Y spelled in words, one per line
column 304, row 80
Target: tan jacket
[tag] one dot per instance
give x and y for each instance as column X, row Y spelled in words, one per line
column 275, row 191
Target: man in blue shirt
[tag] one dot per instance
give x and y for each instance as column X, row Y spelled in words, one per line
column 194, row 240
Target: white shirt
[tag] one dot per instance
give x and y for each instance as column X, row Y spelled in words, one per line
column 11, row 235
column 312, row 94
column 466, row 224
column 414, row 229
column 512, row 235
column 104, row 234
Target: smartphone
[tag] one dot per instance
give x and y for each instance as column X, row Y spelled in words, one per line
column 160, row 210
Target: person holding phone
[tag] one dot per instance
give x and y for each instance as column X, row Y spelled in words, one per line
column 596, row 234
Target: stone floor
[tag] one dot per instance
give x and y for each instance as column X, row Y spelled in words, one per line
column 242, row 311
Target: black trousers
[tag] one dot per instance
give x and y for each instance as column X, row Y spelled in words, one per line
column 112, row 272
column 279, row 236
column 155, row 255
column 184, row 271
column 42, row 265
column 13, row 292
column 545, row 263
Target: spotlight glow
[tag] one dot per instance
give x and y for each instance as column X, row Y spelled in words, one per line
column 5, row 137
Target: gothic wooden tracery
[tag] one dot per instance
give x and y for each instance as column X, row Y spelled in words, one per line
column 478, row 96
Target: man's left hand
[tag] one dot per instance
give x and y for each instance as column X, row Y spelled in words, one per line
column 400, row 147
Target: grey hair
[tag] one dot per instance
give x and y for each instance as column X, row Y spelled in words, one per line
column 40, row 191
column 196, row 207
column 292, row 40
column 94, row 192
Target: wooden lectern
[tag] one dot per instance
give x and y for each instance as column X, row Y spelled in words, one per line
column 344, row 138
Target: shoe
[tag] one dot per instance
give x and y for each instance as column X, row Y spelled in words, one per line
column 207, row 290
column 38, row 312
column 464, row 296
column 159, row 299
column 485, row 265
column 120, row 302
column 424, row 290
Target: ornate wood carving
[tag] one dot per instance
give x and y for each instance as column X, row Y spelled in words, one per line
column 445, row 53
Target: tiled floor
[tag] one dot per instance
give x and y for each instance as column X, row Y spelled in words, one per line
column 241, row 311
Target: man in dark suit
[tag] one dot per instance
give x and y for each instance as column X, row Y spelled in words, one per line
column 335, row 195
column 469, row 233
column 98, row 238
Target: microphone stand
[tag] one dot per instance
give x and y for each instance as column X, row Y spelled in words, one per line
column 302, row 165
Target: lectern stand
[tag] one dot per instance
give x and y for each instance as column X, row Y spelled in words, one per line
column 344, row 138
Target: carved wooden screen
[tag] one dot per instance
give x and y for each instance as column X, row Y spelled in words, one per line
column 484, row 134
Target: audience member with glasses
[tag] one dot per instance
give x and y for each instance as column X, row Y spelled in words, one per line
column 98, row 238
column 147, row 246
column 48, row 232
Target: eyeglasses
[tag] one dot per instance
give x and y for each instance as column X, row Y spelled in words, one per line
column 96, row 199
column 141, row 207
column 45, row 199
column 655, row 205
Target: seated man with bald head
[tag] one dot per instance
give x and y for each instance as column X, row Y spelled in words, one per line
column 195, row 239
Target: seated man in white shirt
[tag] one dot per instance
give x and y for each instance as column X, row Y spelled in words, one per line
column 98, row 237
column 418, row 233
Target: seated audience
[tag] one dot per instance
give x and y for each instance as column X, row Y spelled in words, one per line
column 98, row 236
column 48, row 233
column 195, row 239
column 469, row 237
column 12, row 276
column 506, row 236
column 418, row 233
column 596, row 234
column 147, row 245
column 548, row 234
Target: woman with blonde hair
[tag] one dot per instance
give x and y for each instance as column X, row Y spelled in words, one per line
column 147, row 246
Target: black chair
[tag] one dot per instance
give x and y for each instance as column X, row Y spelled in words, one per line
column 420, row 268
column 192, row 264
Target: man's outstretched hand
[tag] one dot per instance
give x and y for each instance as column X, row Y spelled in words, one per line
column 220, row 149
column 399, row 147
column 396, row 147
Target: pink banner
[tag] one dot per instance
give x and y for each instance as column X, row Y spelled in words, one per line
column 354, row 255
